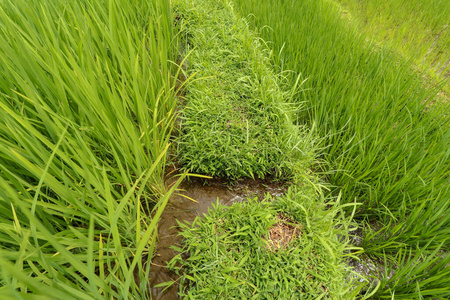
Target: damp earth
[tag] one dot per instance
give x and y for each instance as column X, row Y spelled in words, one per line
column 205, row 192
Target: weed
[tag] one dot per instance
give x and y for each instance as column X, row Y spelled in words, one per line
column 236, row 121
column 232, row 252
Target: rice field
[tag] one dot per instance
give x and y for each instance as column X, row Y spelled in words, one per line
column 418, row 30
column 384, row 145
column 87, row 102
column 106, row 106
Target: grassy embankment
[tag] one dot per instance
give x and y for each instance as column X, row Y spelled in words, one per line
column 278, row 248
column 383, row 146
column 416, row 29
column 237, row 122
column 86, row 111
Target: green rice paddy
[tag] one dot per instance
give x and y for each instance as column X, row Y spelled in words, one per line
column 344, row 102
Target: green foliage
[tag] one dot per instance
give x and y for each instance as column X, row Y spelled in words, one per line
column 385, row 144
column 416, row 274
column 232, row 256
column 415, row 28
column 368, row 106
column 86, row 110
column 236, row 120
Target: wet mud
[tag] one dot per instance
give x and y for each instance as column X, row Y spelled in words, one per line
column 365, row 268
column 205, row 192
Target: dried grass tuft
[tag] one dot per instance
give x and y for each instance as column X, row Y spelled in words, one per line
column 283, row 233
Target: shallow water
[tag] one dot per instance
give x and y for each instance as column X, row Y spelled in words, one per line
column 205, row 192
column 364, row 268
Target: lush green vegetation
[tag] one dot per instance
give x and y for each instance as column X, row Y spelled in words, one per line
column 88, row 95
column 86, row 111
column 384, row 146
column 414, row 28
column 235, row 121
column 284, row 248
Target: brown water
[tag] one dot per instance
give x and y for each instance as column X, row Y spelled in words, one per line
column 205, row 192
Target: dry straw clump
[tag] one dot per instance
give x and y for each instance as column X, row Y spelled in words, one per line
column 283, row 233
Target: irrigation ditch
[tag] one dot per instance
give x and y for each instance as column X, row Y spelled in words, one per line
column 236, row 123
column 194, row 199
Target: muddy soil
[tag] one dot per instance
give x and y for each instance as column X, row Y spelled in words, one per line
column 205, row 192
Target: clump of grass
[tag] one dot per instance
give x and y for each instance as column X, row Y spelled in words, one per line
column 86, row 110
column 236, row 120
column 414, row 274
column 384, row 145
column 284, row 248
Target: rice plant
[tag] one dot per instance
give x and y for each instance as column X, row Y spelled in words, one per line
column 386, row 146
column 87, row 108
column 417, row 29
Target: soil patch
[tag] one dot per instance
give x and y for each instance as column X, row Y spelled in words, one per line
column 283, row 233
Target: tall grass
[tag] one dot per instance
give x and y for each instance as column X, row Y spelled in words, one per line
column 384, row 146
column 87, row 108
column 415, row 28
